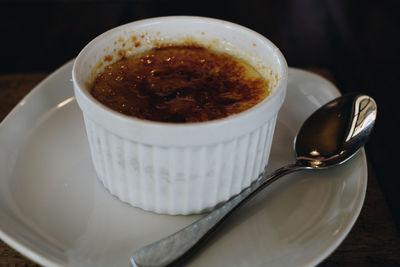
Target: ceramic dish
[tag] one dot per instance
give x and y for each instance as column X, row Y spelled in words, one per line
column 187, row 167
column 54, row 210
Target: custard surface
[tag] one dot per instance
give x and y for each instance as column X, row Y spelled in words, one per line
column 179, row 83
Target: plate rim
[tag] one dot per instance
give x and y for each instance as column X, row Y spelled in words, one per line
column 364, row 183
column 31, row 252
column 352, row 220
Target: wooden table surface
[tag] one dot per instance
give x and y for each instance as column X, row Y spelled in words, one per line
column 373, row 241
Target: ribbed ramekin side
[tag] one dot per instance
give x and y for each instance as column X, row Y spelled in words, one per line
column 145, row 176
column 178, row 180
column 243, row 160
column 223, row 170
column 114, row 161
column 269, row 129
column 96, row 148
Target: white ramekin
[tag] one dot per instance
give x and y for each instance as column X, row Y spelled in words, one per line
column 179, row 168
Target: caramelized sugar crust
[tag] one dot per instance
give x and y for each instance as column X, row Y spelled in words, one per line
column 180, row 83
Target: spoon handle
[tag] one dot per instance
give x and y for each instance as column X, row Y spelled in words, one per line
column 182, row 243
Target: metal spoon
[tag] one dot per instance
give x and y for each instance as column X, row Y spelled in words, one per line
column 329, row 137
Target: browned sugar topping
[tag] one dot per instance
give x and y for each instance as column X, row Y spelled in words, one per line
column 180, row 84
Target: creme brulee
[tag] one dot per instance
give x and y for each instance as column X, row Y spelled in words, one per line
column 180, row 83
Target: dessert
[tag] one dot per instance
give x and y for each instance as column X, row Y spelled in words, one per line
column 180, row 83
column 203, row 155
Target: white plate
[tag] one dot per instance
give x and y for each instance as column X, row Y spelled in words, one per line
column 54, row 210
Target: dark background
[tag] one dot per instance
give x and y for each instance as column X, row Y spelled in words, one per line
column 356, row 41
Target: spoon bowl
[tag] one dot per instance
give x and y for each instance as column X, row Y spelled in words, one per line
column 330, row 136
column 335, row 132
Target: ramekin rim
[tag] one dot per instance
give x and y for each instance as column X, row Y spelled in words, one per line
column 276, row 93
